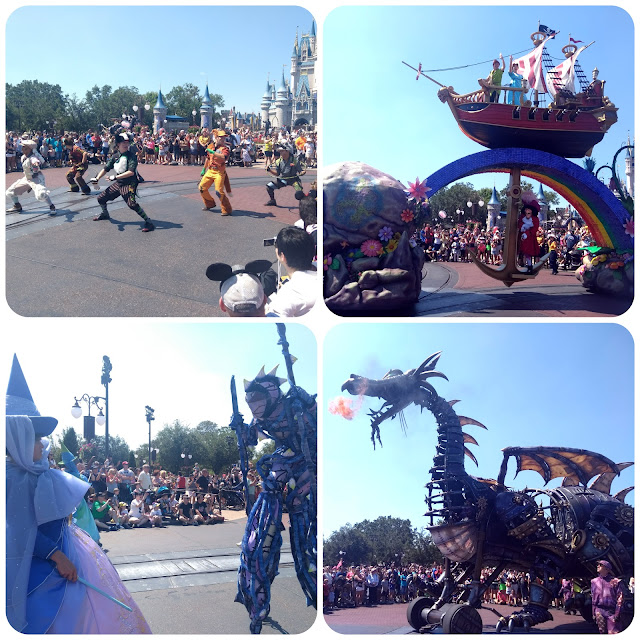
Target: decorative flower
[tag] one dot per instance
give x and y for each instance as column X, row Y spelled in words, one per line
column 407, row 215
column 392, row 245
column 628, row 227
column 371, row 247
column 418, row 190
column 386, row 233
column 327, row 261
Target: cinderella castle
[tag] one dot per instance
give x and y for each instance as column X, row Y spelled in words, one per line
column 293, row 103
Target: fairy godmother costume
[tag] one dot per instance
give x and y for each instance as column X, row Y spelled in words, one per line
column 39, row 503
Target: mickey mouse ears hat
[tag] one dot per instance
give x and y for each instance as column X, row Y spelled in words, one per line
column 20, row 402
column 240, row 288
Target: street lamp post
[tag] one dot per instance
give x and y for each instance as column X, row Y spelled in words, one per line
column 474, row 207
column 194, row 113
column 149, row 418
column 103, row 417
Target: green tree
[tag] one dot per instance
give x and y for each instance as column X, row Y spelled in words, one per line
column 70, row 440
column 348, row 539
column 173, row 440
column 453, row 198
column 118, row 449
column 30, row 104
column 264, row 448
column 424, row 551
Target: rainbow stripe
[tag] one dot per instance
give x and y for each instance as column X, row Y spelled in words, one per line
column 602, row 212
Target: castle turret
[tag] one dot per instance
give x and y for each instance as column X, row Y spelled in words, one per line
column 282, row 102
column 544, row 205
column 493, row 210
column 206, row 110
column 159, row 113
column 629, row 168
column 265, row 105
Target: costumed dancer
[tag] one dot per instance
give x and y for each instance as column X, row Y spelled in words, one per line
column 495, row 79
column 290, row 420
column 79, row 164
column 606, row 599
column 58, row 580
column 288, row 171
column 125, row 181
column 33, row 179
column 528, row 225
column 214, row 173
column 82, row 515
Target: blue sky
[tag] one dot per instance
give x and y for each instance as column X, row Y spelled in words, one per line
column 172, row 45
column 546, row 384
column 182, row 370
column 375, row 112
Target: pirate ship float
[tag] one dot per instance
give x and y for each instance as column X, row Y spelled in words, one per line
column 576, row 119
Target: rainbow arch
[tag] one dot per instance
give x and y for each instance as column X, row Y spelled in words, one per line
column 600, row 209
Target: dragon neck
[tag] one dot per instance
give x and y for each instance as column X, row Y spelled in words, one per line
column 449, row 459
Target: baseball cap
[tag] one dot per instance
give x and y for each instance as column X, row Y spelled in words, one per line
column 242, row 293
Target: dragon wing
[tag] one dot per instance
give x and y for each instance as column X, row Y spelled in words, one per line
column 558, row 462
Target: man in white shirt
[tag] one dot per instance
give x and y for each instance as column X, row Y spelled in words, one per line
column 295, row 250
column 144, row 478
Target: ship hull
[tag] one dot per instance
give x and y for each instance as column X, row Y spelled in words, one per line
column 496, row 126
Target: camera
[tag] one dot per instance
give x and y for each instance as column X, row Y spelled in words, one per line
column 269, row 242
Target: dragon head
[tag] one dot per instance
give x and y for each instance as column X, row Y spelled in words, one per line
column 356, row 385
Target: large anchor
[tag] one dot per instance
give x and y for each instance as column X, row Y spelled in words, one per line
column 509, row 271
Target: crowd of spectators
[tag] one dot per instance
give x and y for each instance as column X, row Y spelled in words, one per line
column 122, row 497
column 177, row 148
column 454, row 244
column 370, row 585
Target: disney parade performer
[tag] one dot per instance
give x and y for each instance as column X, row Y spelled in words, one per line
column 58, row 580
column 528, row 225
column 606, row 599
column 125, row 181
column 79, row 164
column 33, row 179
column 214, row 173
column 288, row 170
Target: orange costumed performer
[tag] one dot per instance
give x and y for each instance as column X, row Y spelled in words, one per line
column 215, row 173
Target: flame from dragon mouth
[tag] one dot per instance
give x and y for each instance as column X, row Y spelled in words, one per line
column 346, row 407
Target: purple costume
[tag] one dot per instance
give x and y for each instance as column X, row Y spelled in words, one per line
column 606, row 597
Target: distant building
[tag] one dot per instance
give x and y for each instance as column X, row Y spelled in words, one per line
column 294, row 102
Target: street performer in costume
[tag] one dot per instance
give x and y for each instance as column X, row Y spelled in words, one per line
column 288, row 170
column 79, row 164
column 214, row 173
column 606, row 599
column 125, row 181
column 33, row 179
column 58, row 580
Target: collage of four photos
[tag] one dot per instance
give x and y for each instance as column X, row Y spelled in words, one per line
column 336, row 303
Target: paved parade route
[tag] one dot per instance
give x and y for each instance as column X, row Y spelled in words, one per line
column 69, row 265
column 392, row 619
column 184, row 579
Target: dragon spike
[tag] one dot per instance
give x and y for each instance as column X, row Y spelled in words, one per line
column 282, row 380
column 464, row 420
column 469, row 439
column 433, row 374
column 452, row 402
column 247, row 384
column 273, row 371
column 261, row 373
column 621, row 495
column 293, row 359
column 429, row 363
column 468, row 453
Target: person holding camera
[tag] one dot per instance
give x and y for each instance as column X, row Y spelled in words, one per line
column 295, row 251
column 103, row 514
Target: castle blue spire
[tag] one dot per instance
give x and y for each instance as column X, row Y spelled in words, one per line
column 313, row 29
column 283, row 84
column 160, row 102
column 494, row 197
column 206, row 101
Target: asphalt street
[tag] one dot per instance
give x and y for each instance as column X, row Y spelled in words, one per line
column 184, row 579
column 69, row 265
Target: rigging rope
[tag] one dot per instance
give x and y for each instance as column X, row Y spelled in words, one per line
column 484, row 62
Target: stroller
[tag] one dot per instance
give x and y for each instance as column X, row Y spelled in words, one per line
column 232, row 497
